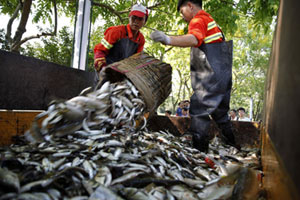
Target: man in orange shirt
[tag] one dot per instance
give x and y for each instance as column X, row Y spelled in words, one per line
column 211, row 68
column 122, row 41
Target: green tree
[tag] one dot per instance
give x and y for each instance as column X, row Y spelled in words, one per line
column 162, row 16
column 251, row 54
column 247, row 22
column 3, row 43
column 41, row 11
column 181, row 83
column 56, row 49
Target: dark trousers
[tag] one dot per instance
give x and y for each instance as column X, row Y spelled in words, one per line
column 201, row 119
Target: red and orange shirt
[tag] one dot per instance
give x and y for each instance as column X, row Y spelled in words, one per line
column 205, row 29
column 111, row 36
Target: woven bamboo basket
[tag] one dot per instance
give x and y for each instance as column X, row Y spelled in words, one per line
column 149, row 75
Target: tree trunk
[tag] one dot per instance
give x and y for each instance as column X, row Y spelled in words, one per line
column 9, row 24
column 21, row 28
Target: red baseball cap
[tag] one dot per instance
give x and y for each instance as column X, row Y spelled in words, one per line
column 138, row 10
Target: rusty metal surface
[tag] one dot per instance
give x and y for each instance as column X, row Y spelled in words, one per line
column 247, row 134
column 182, row 123
column 14, row 123
column 17, row 122
column 30, row 84
column 158, row 122
column 276, row 180
column 282, row 94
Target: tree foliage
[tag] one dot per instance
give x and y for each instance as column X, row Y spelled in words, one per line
column 247, row 22
column 58, row 49
column 41, row 12
column 163, row 14
column 251, row 54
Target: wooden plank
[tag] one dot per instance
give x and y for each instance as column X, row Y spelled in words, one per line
column 14, row 123
column 276, row 180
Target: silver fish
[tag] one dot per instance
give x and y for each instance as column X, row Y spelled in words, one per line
column 135, row 194
column 183, row 193
column 104, row 193
column 9, row 180
column 104, row 176
column 42, row 183
column 126, row 177
column 55, row 194
column 88, row 168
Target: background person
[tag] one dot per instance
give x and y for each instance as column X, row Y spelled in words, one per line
column 242, row 115
column 233, row 115
column 179, row 109
column 187, row 104
column 185, row 112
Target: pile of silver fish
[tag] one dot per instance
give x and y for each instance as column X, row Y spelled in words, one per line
column 114, row 106
column 89, row 148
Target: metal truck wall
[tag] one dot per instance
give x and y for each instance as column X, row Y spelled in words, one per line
column 30, row 84
column 282, row 97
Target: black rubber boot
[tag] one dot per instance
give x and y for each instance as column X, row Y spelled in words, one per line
column 229, row 138
column 200, row 142
column 228, row 135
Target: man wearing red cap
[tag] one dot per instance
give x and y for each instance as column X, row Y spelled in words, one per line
column 122, row 41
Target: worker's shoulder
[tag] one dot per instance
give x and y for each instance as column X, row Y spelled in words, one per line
column 115, row 29
column 202, row 16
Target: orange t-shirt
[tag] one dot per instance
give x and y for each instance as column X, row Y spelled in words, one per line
column 114, row 34
column 203, row 26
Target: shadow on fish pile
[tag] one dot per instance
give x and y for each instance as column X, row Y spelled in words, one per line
column 88, row 148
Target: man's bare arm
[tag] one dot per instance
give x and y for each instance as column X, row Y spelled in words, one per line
column 187, row 40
